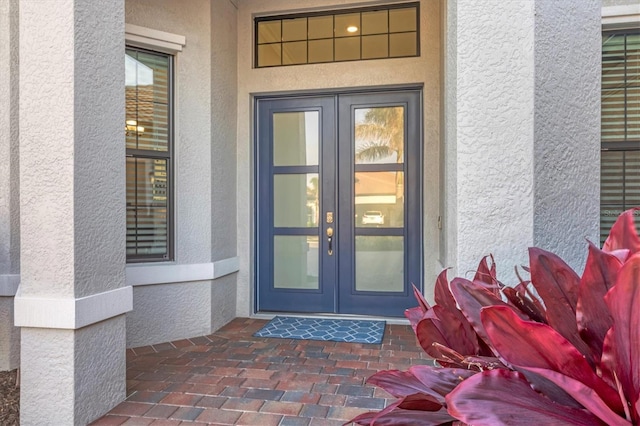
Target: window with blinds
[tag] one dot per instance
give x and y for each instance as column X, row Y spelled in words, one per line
column 148, row 129
column 620, row 137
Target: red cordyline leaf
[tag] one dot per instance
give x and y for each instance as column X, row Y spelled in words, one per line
column 558, row 286
column 467, row 337
column 472, row 297
column 584, row 395
column 530, row 345
column 414, row 315
column 425, row 379
column 486, row 275
column 621, row 351
column 503, row 397
column 418, row 409
column 592, row 315
column 422, row 302
column 623, row 234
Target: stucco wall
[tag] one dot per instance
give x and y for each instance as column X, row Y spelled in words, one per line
column 490, row 168
column 421, row 70
column 567, row 127
column 522, row 95
column 205, row 139
column 606, row 3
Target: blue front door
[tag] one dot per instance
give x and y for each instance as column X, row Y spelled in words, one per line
column 338, row 184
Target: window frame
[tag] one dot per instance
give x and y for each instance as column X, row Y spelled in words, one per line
column 168, row 155
column 617, row 20
column 336, row 12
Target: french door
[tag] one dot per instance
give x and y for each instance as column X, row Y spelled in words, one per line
column 338, row 197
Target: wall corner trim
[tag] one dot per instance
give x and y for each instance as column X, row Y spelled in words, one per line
column 70, row 313
column 154, row 39
column 621, row 17
column 9, row 285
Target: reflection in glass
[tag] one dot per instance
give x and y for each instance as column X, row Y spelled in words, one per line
column 379, row 263
column 295, row 262
column 375, row 22
column 146, row 95
column 269, row 55
column 269, row 31
column 379, row 199
column 294, row 53
column 375, row 46
column 345, row 25
column 403, row 44
column 320, row 51
column 379, row 135
column 320, row 27
column 296, row 200
column 347, row 49
column 295, row 138
column 294, row 29
column 402, row 20
column 146, row 196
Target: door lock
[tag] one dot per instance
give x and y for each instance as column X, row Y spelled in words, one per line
column 330, row 241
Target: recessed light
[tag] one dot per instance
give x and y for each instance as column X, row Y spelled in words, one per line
column 352, row 28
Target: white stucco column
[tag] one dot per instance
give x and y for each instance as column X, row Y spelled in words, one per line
column 72, row 299
column 521, row 145
column 9, row 184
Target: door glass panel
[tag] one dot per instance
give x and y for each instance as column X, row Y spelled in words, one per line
column 380, row 263
column 379, row 199
column 295, row 138
column 295, row 262
column 295, row 200
column 379, row 135
column 320, row 27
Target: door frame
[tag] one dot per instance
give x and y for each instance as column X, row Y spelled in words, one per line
column 256, row 185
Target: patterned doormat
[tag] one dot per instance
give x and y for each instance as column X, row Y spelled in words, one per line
column 333, row 330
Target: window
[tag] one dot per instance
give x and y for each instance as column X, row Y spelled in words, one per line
column 620, row 137
column 347, row 35
column 149, row 137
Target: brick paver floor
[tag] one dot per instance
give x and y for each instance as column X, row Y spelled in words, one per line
column 231, row 377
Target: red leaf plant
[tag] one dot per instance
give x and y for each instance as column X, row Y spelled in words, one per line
column 559, row 349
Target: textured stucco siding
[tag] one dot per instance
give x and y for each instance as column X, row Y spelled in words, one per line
column 166, row 312
column 523, row 93
column 490, row 169
column 423, row 70
column 73, row 377
column 224, row 113
column 204, row 181
column 72, row 212
column 567, row 127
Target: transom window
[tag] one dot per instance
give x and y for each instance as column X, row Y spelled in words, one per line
column 620, row 138
column 348, row 35
column 149, row 135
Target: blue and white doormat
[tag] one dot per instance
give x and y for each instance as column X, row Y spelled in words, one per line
column 333, row 330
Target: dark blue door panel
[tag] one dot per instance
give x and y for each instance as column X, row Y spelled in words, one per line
column 338, row 202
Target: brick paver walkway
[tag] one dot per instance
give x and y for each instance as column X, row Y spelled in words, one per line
column 230, row 377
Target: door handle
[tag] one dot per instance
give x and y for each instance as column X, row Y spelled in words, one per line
column 330, row 240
